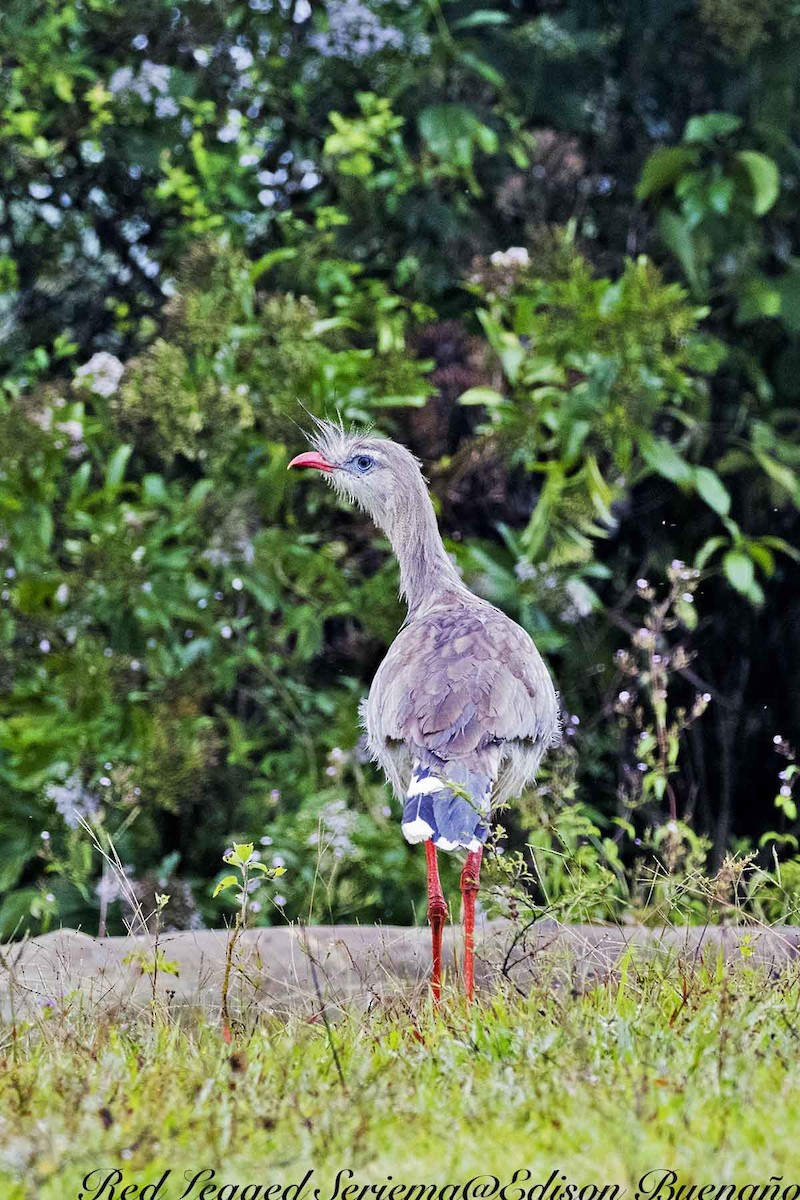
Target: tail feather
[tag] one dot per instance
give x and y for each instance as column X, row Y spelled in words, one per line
column 449, row 804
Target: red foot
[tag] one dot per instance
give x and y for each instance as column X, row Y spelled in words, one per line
column 437, row 915
column 470, row 882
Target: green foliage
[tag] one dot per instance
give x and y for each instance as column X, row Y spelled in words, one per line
column 571, row 288
column 719, row 191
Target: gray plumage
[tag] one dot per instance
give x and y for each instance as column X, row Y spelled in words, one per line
column 462, row 708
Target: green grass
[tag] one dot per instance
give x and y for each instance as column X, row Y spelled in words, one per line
column 684, row 1066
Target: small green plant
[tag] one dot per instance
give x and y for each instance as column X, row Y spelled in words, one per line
column 649, row 668
column 154, row 961
column 244, row 858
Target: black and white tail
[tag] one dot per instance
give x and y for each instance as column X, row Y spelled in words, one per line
column 455, row 817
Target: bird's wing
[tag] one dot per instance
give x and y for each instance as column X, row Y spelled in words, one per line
column 462, row 679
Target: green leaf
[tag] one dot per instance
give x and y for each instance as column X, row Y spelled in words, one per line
column 662, row 457
column 788, row 288
column 154, row 489
column 80, row 483
column 482, row 395
column 762, row 557
column 760, row 298
column 241, row 852
column 453, row 132
column 782, row 546
column 662, row 169
column 686, row 613
column 228, row 882
column 678, row 238
column 484, row 16
column 63, row 87
column 115, row 471
column 762, row 173
column 267, row 261
column 709, row 547
column 787, row 805
column 410, row 401
column 705, row 128
column 260, row 866
column 783, row 475
column 712, row 489
column 739, row 570
column 491, row 75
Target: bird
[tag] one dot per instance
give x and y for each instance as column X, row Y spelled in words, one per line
column 462, row 708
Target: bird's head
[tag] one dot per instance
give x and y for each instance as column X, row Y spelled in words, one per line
column 377, row 474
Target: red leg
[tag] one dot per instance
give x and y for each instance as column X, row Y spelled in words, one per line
column 470, row 882
column 437, row 915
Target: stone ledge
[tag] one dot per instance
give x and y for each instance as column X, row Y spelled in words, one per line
column 354, row 963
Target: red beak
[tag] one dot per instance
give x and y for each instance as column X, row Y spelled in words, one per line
column 312, row 459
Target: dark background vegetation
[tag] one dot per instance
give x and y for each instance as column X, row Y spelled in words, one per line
column 550, row 246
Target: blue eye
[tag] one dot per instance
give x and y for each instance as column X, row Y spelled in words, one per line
column 363, row 463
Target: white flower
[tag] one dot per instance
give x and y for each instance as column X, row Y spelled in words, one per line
column 72, row 800
column 121, row 80
column 242, row 58
column 51, row 215
column 102, row 373
column 230, row 131
column 355, row 32
column 73, row 430
column 514, row 256
column 166, row 107
column 151, row 77
column 154, row 75
column 108, row 889
column 581, row 600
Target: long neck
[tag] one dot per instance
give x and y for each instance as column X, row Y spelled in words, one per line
column 425, row 568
